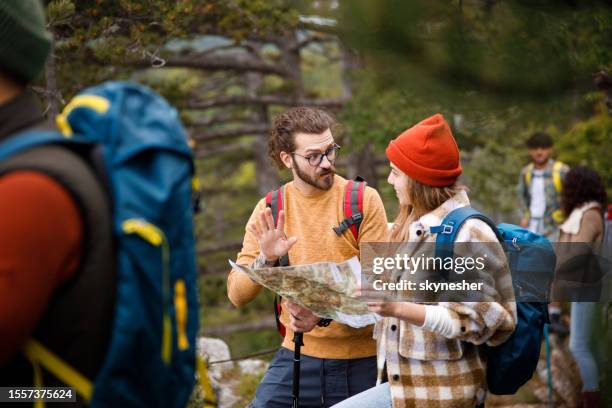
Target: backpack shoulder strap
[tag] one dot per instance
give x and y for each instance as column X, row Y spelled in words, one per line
column 447, row 231
column 556, row 175
column 275, row 201
column 353, row 207
column 528, row 174
column 28, row 140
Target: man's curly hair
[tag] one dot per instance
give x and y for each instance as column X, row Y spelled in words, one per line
column 296, row 120
column 581, row 185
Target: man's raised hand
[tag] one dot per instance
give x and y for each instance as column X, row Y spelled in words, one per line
column 273, row 242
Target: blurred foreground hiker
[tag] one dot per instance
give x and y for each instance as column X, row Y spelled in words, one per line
column 313, row 225
column 102, row 301
column 45, row 277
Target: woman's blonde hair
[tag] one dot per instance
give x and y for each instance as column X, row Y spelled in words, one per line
column 423, row 199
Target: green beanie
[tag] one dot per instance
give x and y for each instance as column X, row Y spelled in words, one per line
column 24, row 41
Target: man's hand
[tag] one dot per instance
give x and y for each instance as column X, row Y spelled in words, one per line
column 272, row 240
column 301, row 320
column 524, row 222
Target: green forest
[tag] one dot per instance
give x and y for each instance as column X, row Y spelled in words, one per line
column 497, row 71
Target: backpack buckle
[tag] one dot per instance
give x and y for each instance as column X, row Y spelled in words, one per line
column 347, row 222
column 340, row 228
column 447, row 229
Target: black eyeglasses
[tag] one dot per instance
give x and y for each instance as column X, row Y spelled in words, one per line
column 316, row 159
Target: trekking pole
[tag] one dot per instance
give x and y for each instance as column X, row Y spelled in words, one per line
column 298, row 340
column 548, row 366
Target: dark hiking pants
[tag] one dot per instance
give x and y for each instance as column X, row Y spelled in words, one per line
column 323, row 382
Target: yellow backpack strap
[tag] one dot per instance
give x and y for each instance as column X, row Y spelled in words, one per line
column 94, row 102
column 210, row 399
column 556, row 175
column 558, row 216
column 528, row 174
column 39, row 356
column 38, row 383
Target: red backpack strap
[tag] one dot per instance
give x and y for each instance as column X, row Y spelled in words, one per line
column 277, row 312
column 274, row 200
column 353, row 207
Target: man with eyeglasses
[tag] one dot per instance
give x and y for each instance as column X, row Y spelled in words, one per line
column 337, row 361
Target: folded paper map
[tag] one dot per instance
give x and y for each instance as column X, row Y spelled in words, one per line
column 326, row 288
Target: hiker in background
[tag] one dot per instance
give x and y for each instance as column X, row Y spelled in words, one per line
column 338, row 361
column 428, row 354
column 539, row 189
column 540, row 186
column 583, row 202
column 48, row 270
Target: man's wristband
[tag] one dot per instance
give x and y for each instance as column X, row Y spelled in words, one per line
column 271, row 263
column 261, row 262
column 324, row 322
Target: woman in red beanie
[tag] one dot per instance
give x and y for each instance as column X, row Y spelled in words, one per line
column 427, row 353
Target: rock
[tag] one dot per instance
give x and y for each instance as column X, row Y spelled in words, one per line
column 222, row 376
column 215, row 350
column 252, row 366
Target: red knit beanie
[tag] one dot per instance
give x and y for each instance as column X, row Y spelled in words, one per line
column 427, row 152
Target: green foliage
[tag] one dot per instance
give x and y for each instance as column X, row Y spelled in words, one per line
column 503, row 49
column 197, row 398
column 603, row 347
column 174, row 84
column 96, row 40
column 491, row 139
column 58, row 12
column 247, row 387
column 322, row 70
column 590, row 143
column 217, row 309
column 245, row 343
column 378, row 114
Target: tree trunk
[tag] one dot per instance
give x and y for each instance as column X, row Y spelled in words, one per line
column 290, row 52
column 51, row 93
column 363, row 163
column 265, row 175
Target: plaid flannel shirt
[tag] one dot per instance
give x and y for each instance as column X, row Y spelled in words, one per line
column 424, row 368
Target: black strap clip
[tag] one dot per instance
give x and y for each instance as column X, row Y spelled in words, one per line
column 347, row 222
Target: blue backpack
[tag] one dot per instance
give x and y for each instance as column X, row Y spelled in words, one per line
column 148, row 171
column 532, row 263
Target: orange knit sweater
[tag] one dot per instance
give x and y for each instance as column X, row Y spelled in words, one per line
column 310, row 218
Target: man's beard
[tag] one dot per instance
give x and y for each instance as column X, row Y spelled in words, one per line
column 319, row 181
